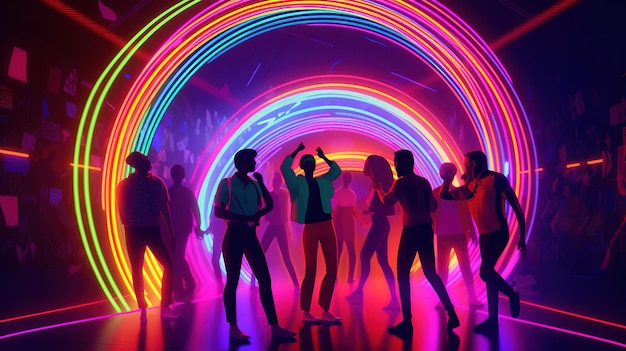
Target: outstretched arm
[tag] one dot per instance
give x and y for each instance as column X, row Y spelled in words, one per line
column 461, row 193
column 334, row 171
column 510, row 196
column 285, row 169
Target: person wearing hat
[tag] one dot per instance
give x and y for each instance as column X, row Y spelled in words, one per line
column 143, row 200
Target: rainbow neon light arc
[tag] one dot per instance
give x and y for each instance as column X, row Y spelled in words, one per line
column 428, row 31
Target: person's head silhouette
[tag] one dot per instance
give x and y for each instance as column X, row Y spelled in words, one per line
column 177, row 173
column 139, row 162
column 244, row 160
column 307, row 163
column 404, row 162
column 377, row 168
column 447, row 170
column 475, row 163
column 347, row 179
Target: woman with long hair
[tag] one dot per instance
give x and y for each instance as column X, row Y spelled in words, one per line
column 377, row 168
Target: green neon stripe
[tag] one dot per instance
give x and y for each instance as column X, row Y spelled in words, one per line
column 127, row 53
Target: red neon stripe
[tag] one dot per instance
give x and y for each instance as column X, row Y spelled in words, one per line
column 51, row 311
column 533, row 23
column 572, row 314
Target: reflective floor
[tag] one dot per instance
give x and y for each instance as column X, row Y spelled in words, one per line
column 562, row 312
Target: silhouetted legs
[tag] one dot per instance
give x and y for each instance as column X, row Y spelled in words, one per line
column 218, row 238
column 458, row 243
column 182, row 272
column 419, row 239
column 137, row 239
column 491, row 247
column 324, row 234
column 375, row 242
column 280, row 233
column 346, row 233
column 239, row 240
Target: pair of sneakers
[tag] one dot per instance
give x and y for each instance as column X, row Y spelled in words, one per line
column 326, row 317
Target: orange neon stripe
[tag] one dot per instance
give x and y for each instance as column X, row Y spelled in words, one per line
column 573, row 165
column 92, row 168
column 13, row 153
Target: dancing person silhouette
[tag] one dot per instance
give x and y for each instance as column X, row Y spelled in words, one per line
column 486, row 192
column 378, row 170
column 415, row 196
column 185, row 212
column 278, row 227
column 452, row 223
column 345, row 213
column 143, row 201
column 239, row 200
column 310, row 201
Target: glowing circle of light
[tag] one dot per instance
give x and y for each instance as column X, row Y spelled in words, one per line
column 429, row 31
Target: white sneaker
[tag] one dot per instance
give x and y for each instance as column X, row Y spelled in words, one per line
column 237, row 334
column 280, row 332
column 355, row 297
column 309, row 317
column 329, row 317
column 392, row 306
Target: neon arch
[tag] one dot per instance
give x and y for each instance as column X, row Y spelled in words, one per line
column 430, row 32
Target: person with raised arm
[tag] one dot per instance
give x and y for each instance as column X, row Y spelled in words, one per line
column 486, row 192
column 310, row 205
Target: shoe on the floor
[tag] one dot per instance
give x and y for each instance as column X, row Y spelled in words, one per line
column 237, row 334
column 143, row 317
column 453, row 320
column 310, row 317
column 355, row 297
column 166, row 312
column 514, row 304
column 392, row 306
column 402, row 329
column 476, row 303
column 489, row 326
column 330, row 318
column 280, row 332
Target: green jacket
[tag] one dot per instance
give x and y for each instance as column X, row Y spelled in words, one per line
column 299, row 188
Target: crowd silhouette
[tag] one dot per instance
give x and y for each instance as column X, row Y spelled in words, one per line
column 241, row 201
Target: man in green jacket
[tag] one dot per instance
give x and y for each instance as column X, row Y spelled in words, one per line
column 310, row 205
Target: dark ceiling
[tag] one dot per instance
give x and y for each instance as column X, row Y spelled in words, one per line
column 582, row 48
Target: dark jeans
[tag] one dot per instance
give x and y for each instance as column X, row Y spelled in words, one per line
column 239, row 240
column 137, row 239
column 376, row 242
column 418, row 239
column 491, row 247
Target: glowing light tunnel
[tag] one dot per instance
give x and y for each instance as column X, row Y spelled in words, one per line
column 428, row 31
